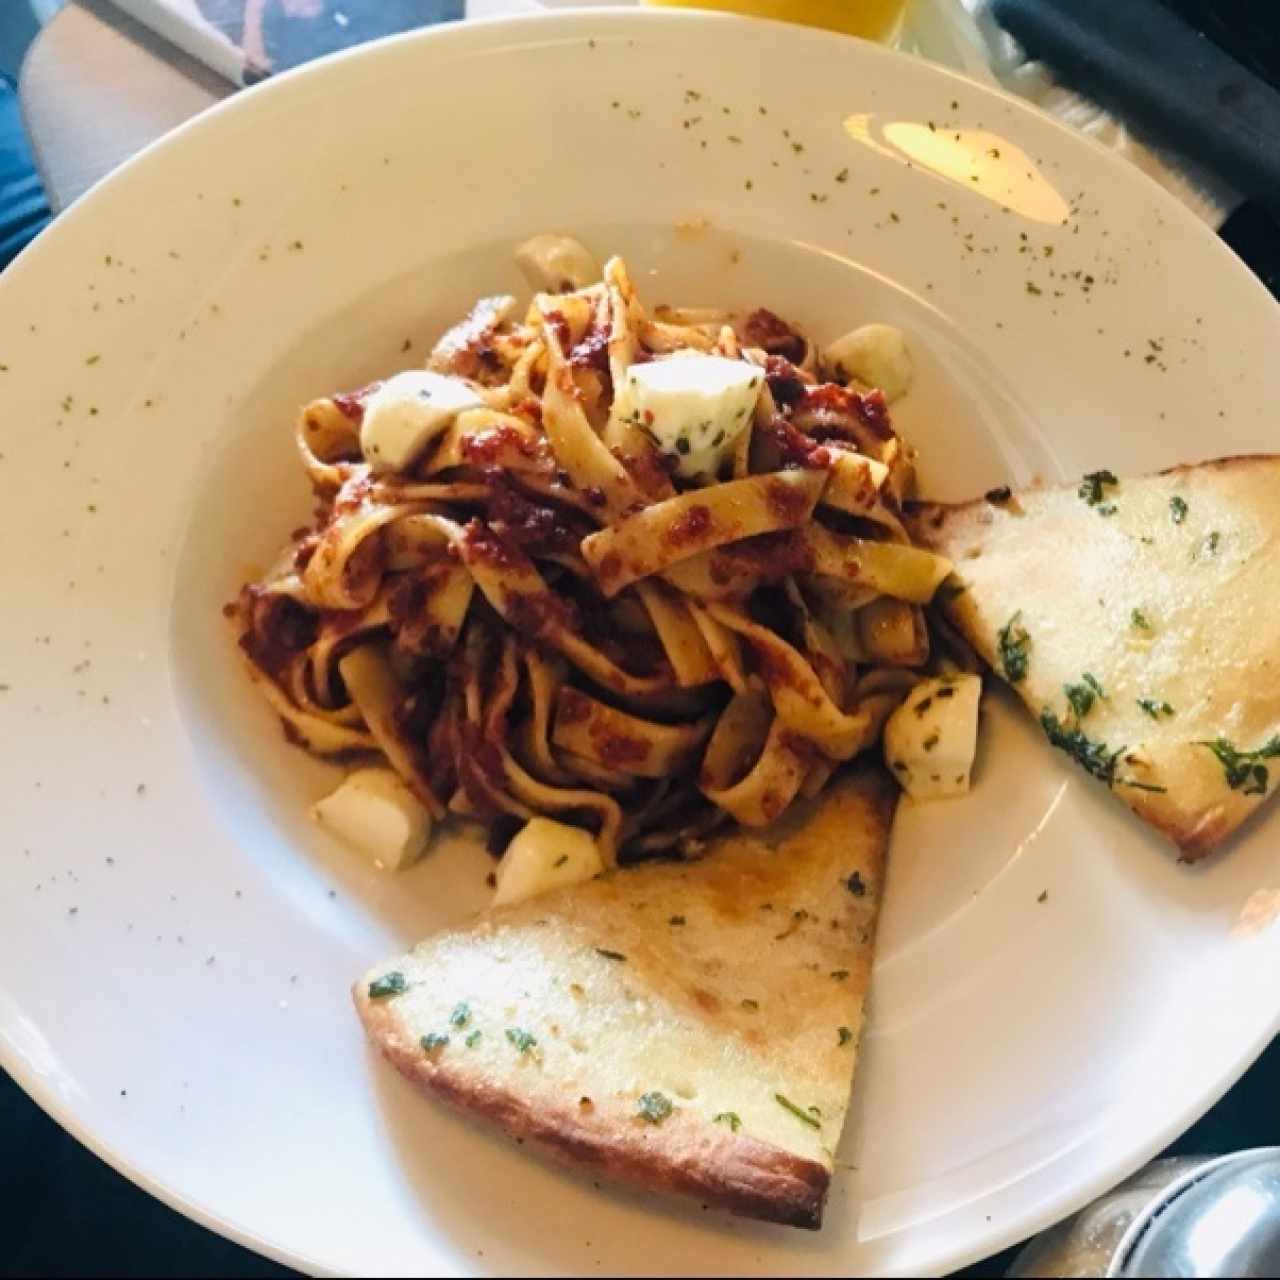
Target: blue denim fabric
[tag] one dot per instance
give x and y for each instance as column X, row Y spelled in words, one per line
column 23, row 209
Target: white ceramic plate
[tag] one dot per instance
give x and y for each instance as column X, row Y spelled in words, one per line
column 176, row 941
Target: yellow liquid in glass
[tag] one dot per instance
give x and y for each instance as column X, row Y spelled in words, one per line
column 872, row 19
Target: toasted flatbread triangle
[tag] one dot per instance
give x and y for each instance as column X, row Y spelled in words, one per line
column 1166, row 591
column 731, row 989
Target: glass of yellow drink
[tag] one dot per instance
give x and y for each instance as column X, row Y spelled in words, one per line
column 872, row 19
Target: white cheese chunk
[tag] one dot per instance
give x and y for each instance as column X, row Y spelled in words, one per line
column 694, row 407
column 557, row 264
column 407, row 412
column 377, row 815
column 875, row 355
column 929, row 741
column 545, row 855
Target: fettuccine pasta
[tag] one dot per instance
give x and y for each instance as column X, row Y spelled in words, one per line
column 643, row 572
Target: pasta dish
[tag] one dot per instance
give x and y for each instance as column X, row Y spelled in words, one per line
column 642, row 572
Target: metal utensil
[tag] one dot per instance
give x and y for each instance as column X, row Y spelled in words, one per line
column 1085, row 1244
column 1220, row 1219
column 1182, row 1216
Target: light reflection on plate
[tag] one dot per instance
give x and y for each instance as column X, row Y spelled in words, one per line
column 152, row 366
column 983, row 162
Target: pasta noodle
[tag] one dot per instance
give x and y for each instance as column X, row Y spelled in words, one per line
column 532, row 606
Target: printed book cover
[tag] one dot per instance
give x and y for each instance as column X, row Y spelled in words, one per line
column 247, row 40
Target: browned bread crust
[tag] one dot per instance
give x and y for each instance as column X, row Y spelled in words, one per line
column 730, row 1171
column 793, row 924
column 1216, row 570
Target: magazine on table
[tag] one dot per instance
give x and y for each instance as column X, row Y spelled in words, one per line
column 247, row 40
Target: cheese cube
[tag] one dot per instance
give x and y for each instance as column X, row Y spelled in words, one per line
column 930, row 740
column 377, row 815
column 556, row 264
column 875, row 355
column 407, row 412
column 693, row 407
column 545, row 855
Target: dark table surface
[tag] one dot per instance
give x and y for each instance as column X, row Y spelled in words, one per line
column 65, row 1213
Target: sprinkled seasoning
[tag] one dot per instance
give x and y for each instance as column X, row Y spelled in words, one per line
column 1015, row 642
column 654, row 1107
column 524, row 1041
column 1244, row 770
column 390, row 984
column 783, row 1101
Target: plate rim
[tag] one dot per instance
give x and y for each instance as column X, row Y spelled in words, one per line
column 570, row 22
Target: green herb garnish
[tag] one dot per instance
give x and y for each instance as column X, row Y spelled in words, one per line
column 524, row 1041
column 856, row 885
column 609, row 955
column 730, row 1118
column 1139, row 619
column 473, row 1039
column 390, row 984
column 654, row 1107
column 1014, row 643
column 682, row 445
column 1155, row 709
column 1209, row 546
column 1177, row 509
column 432, row 1041
column 1244, row 770
column 1092, row 757
column 1083, row 695
column 783, row 1101
column 844, row 1035
column 461, row 1014
column 1091, row 486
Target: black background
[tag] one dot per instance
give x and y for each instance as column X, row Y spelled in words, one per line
column 65, row 1213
